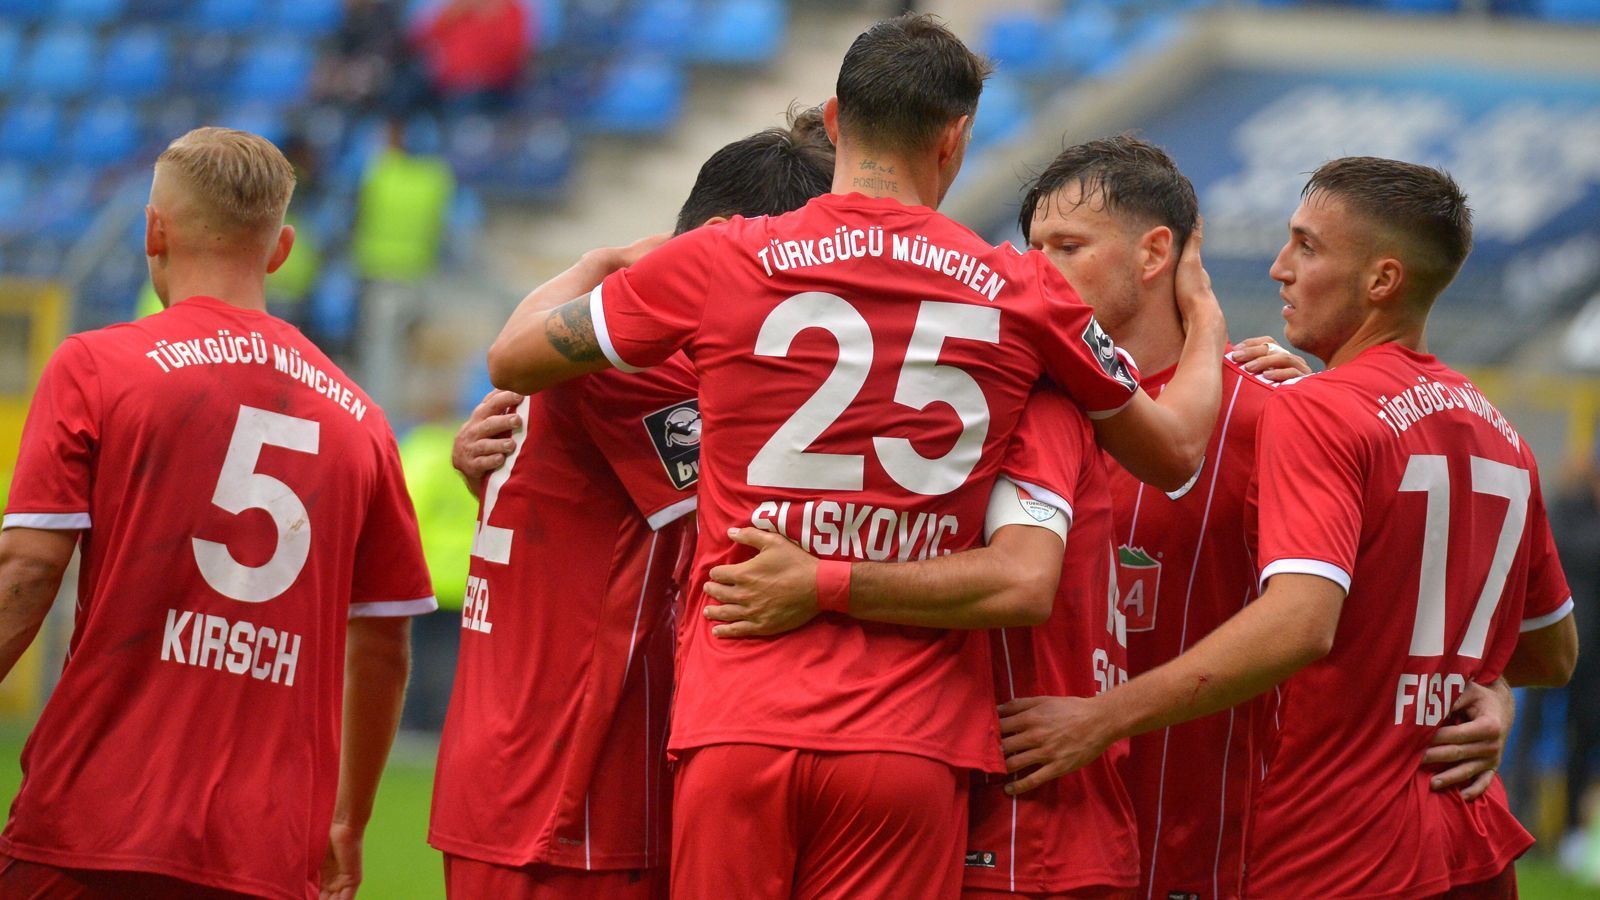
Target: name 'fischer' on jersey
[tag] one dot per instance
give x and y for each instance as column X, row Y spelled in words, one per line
column 856, row 530
column 240, row 647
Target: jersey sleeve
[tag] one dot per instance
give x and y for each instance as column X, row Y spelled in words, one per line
column 54, row 475
column 1549, row 598
column 648, row 311
column 1048, row 450
column 1078, row 354
column 648, row 428
column 1309, row 491
column 391, row 577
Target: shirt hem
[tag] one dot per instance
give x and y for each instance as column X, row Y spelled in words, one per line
column 47, row 521
column 843, row 744
column 1304, row 566
column 116, row 863
column 1488, row 870
column 1409, row 892
column 991, row 880
column 516, row 859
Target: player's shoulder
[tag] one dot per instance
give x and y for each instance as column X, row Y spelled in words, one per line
column 1050, row 414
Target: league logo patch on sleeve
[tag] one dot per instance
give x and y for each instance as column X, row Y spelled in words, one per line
column 675, row 433
column 1105, row 352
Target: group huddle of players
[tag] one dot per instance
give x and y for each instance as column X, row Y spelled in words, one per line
column 774, row 514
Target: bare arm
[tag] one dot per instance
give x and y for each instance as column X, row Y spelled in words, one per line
column 1290, row 627
column 1545, row 657
column 1011, row 582
column 550, row 336
column 1162, row 441
column 32, row 561
column 377, row 661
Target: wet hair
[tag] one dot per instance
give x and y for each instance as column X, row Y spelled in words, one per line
column 1131, row 177
column 1422, row 207
column 766, row 174
column 904, row 80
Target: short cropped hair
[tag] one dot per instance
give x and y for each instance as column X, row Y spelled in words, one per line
column 904, row 80
column 1423, row 208
column 1131, row 177
column 768, row 173
column 241, row 177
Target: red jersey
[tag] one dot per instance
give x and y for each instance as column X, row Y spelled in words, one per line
column 554, row 748
column 1392, row 476
column 1078, row 830
column 1183, row 568
column 861, row 373
column 239, row 498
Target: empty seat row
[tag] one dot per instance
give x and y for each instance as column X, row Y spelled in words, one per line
column 302, row 17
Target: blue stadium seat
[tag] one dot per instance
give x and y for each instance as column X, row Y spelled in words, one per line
column 136, row 63
column 206, row 65
column 106, row 133
column 663, row 26
column 15, row 190
column 1019, row 43
column 60, row 62
column 96, row 12
column 275, row 70
column 29, row 131
column 1569, row 10
column 740, row 32
column 547, row 19
column 155, row 10
column 229, row 16
column 1087, row 37
column 1003, row 112
column 542, row 159
column 64, row 207
column 641, row 95
column 257, row 118
column 24, row 10
column 311, row 18
column 10, row 51
column 1422, row 6
column 335, row 303
column 472, row 144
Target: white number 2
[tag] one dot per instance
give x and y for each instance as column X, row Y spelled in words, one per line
column 493, row 543
column 1431, row 474
column 241, row 487
column 784, row 460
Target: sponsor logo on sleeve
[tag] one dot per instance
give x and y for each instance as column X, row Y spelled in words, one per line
column 1138, row 586
column 1105, row 352
column 675, row 433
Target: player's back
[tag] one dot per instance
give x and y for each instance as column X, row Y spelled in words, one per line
column 862, row 365
column 1392, row 471
column 239, row 494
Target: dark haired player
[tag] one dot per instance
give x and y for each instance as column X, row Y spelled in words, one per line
column 552, row 777
column 857, row 398
column 242, row 510
column 1402, row 543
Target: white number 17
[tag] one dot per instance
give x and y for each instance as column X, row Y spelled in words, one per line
column 1431, row 474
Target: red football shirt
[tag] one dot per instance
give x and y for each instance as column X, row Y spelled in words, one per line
column 862, row 366
column 1393, row 476
column 1076, row 831
column 554, row 748
column 1183, row 568
column 239, row 498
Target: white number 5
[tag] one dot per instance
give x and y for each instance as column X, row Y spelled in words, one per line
column 241, row 487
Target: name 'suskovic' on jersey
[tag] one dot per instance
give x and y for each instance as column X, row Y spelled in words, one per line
column 856, row 530
column 847, row 243
column 227, row 348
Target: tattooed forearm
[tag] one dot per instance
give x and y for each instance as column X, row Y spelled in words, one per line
column 571, row 331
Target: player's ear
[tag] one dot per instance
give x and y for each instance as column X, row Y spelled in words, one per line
column 280, row 250
column 714, row 220
column 830, row 119
column 1385, row 280
column 155, row 232
column 1156, row 253
column 953, row 141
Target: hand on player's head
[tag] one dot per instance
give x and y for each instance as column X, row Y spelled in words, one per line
column 1267, row 358
column 1196, row 301
column 486, row 438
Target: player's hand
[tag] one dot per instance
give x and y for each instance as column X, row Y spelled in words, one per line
column 485, row 441
column 341, row 867
column 1192, row 284
column 1265, row 357
column 773, row 592
column 610, row 259
column 1473, row 748
column 1057, row 734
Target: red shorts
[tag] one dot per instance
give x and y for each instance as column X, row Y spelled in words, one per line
column 469, row 879
column 1500, row 887
column 756, row 821
column 23, row 880
column 1076, row 894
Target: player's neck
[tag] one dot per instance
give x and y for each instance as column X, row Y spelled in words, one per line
column 1154, row 336
column 236, row 284
column 873, row 173
column 1382, row 330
